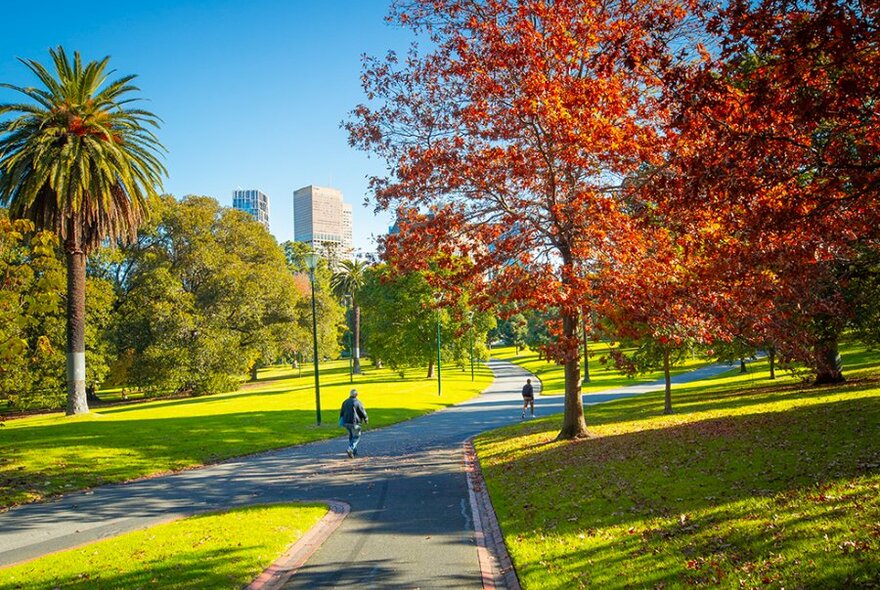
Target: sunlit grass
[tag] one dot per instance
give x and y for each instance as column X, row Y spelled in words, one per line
column 752, row 483
column 210, row 551
column 51, row 454
column 602, row 375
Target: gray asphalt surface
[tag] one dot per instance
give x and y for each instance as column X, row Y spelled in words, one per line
column 410, row 524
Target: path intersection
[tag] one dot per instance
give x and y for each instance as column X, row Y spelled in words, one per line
column 411, row 523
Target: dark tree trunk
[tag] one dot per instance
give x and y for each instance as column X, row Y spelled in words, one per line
column 829, row 366
column 667, row 407
column 573, row 424
column 742, row 365
column 356, row 353
column 430, row 369
column 254, row 370
column 76, row 324
column 771, row 355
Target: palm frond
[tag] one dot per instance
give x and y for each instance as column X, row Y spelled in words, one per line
column 79, row 158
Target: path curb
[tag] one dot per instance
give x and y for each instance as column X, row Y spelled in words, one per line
column 278, row 574
column 496, row 568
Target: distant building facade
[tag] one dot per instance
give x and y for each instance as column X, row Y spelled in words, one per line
column 254, row 202
column 322, row 220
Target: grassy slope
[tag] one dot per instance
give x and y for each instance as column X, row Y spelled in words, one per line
column 752, row 483
column 601, row 376
column 52, row 454
column 209, row 551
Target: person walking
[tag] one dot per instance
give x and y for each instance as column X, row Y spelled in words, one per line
column 528, row 394
column 351, row 414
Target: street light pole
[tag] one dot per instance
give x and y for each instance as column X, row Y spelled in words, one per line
column 350, row 349
column 471, row 330
column 439, row 386
column 312, row 263
column 472, row 354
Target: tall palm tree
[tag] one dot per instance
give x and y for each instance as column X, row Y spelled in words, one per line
column 79, row 161
column 348, row 281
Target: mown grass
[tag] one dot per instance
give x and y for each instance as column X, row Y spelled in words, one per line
column 602, row 375
column 752, row 483
column 50, row 454
column 217, row 550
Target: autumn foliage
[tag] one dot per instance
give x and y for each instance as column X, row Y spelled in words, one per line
column 686, row 172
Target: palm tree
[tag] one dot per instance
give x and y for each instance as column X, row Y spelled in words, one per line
column 79, row 161
column 347, row 281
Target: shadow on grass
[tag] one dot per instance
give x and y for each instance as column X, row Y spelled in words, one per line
column 196, row 569
column 89, row 451
column 737, row 490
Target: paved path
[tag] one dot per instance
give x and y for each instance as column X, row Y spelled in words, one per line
column 410, row 524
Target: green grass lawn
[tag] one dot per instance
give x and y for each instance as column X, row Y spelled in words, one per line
column 602, row 376
column 209, row 551
column 752, row 483
column 50, row 454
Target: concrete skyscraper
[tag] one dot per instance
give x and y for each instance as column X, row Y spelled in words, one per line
column 323, row 221
column 254, row 202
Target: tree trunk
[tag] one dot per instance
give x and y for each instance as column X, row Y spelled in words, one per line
column 667, row 407
column 76, row 324
column 829, row 366
column 742, row 365
column 573, row 424
column 771, row 355
column 254, row 370
column 356, row 353
column 430, row 374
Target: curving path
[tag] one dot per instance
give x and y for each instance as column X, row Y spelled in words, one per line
column 410, row 524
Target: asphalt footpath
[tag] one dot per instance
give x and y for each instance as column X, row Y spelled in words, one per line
column 410, row 524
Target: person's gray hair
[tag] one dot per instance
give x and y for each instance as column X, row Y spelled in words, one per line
column 353, row 393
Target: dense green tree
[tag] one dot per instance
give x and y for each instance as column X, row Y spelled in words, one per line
column 538, row 333
column 401, row 317
column 205, row 296
column 348, row 280
column 513, row 331
column 80, row 162
column 31, row 279
column 330, row 314
column 32, row 322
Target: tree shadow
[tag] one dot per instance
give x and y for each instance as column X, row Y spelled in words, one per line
column 679, row 489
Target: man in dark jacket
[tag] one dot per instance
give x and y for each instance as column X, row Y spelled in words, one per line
column 352, row 414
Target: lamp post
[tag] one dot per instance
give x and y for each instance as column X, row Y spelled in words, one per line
column 471, row 322
column 311, row 260
column 350, row 349
column 438, row 298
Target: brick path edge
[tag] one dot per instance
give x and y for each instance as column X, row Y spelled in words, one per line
column 496, row 567
column 277, row 574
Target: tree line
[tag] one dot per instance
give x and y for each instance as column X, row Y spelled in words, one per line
column 202, row 297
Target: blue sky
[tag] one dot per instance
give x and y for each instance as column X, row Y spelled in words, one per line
column 251, row 92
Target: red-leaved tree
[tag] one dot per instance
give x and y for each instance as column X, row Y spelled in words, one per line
column 508, row 141
column 776, row 163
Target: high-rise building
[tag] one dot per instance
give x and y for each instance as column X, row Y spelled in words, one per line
column 254, row 202
column 323, row 221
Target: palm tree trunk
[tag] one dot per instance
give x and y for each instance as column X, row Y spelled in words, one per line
column 573, row 424
column 76, row 324
column 356, row 353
